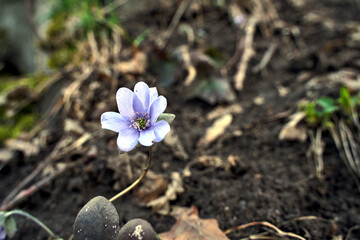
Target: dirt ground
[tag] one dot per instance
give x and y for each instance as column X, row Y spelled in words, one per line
column 259, row 177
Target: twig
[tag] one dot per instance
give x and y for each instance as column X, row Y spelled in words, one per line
column 93, row 46
column 247, row 54
column 113, row 5
column 229, row 64
column 184, row 5
column 348, row 235
column 267, row 224
column 31, row 190
column 317, row 149
column 116, row 53
column 266, row 58
column 123, row 192
column 351, row 156
column 16, row 194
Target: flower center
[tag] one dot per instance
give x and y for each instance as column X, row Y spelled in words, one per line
column 140, row 121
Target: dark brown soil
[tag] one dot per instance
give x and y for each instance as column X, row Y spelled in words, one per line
column 272, row 181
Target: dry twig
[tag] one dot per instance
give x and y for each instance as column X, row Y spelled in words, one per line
column 316, row 149
column 247, row 54
column 267, row 224
column 184, row 5
column 17, row 194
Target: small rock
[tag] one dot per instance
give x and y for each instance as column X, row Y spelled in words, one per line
column 98, row 219
column 137, row 229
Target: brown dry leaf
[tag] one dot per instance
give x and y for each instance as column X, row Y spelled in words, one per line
column 73, row 126
column 190, row 226
column 136, row 65
column 216, row 130
column 161, row 205
column 259, row 100
column 28, row 148
column 51, row 169
column 221, row 111
column 154, row 185
column 291, row 131
column 206, row 161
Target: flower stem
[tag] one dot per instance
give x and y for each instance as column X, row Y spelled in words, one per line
column 137, row 181
column 34, row 219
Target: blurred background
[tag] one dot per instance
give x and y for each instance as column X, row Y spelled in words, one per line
column 265, row 95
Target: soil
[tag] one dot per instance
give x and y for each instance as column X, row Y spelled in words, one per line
column 272, row 180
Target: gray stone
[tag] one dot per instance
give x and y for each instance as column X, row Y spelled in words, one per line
column 98, row 219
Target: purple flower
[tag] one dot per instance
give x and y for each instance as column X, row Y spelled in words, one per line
column 136, row 121
column 2, row 233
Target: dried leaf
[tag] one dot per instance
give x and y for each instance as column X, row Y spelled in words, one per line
column 205, row 161
column 291, row 131
column 216, row 130
column 221, row 111
column 28, row 148
column 154, row 185
column 259, row 100
column 161, row 205
column 190, row 226
column 73, row 126
column 136, row 65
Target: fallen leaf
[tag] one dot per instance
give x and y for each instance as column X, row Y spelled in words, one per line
column 221, row 111
column 190, row 226
column 136, row 65
column 259, row 100
column 161, row 205
column 216, row 130
column 154, row 185
column 28, row 148
column 73, row 126
column 205, row 161
column 291, row 131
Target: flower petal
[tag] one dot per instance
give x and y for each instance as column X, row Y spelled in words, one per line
column 113, row 121
column 142, row 98
column 124, row 99
column 127, row 139
column 157, row 108
column 161, row 129
column 147, row 137
column 153, row 94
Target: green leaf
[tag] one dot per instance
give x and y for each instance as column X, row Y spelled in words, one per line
column 167, row 117
column 138, row 40
column 345, row 100
column 2, row 217
column 327, row 104
column 10, row 226
column 310, row 110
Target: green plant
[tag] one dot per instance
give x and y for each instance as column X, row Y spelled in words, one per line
column 339, row 117
column 8, row 223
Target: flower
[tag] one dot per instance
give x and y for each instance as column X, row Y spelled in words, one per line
column 2, row 233
column 136, row 121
